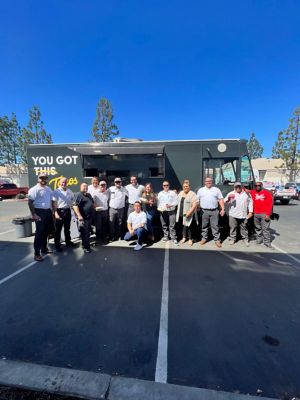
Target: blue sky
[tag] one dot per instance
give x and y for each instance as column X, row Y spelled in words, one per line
column 172, row 69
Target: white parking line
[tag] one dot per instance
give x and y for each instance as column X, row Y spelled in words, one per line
column 286, row 253
column 161, row 370
column 3, row 233
column 17, row 272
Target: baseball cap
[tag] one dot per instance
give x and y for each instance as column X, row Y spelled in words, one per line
column 102, row 183
column 118, row 180
column 237, row 184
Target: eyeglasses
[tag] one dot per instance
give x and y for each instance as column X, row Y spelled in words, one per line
column 117, row 181
column 258, row 185
column 102, row 184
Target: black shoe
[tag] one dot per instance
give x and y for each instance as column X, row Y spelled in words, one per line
column 87, row 250
column 46, row 251
column 71, row 244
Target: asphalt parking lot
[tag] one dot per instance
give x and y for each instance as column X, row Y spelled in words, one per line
column 225, row 319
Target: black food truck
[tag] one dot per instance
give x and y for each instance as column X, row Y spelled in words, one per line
column 224, row 160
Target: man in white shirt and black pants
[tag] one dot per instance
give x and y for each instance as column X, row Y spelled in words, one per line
column 166, row 204
column 63, row 200
column 210, row 198
column 101, row 199
column 135, row 191
column 117, row 199
column 40, row 205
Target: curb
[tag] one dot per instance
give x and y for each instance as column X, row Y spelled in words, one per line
column 96, row 386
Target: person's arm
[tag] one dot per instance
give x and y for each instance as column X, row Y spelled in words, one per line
column 269, row 204
column 250, row 206
column 35, row 217
column 221, row 204
column 129, row 227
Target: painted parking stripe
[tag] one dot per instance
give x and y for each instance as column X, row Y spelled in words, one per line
column 3, row 233
column 161, row 370
column 17, row 272
column 286, row 253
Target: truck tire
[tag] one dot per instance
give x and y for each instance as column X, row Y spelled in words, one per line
column 285, row 201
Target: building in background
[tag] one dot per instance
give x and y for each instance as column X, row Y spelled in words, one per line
column 271, row 170
column 17, row 174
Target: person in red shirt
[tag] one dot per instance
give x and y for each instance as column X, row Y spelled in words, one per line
column 262, row 209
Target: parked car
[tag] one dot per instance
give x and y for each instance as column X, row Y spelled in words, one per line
column 294, row 185
column 284, row 195
column 8, row 190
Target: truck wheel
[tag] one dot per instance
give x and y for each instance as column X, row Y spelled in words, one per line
column 284, row 201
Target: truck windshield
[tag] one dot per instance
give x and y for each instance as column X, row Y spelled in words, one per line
column 222, row 171
column 246, row 171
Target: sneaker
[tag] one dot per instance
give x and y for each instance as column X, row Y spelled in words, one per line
column 87, row 250
column 138, row 247
column 246, row 242
column 165, row 239
column 175, row 242
column 38, row 258
column 202, row 242
column 269, row 245
column 71, row 244
column 218, row 243
column 231, row 241
column 259, row 241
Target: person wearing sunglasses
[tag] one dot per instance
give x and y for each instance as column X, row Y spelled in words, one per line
column 117, row 199
column 166, row 204
column 41, row 205
column 240, row 210
column 262, row 209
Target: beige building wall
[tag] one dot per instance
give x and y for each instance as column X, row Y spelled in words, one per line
column 271, row 170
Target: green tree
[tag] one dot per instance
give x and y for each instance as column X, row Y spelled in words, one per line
column 254, row 147
column 9, row 140
column 287, row 146
column 34, row 133
column 104, row 130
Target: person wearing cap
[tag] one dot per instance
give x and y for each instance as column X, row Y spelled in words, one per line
column 135, row 191
column 166, row 205
column 136, row 224
column 84, row 209
column 101, row 199
column 41, row 205
column 117, row 199
column 262, row 208
column 63, row 199
column 240, row 210
column 210, row 199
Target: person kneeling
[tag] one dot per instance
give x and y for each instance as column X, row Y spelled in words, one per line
column 136, row 225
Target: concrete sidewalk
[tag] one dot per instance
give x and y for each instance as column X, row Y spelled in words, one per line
column 93, row 386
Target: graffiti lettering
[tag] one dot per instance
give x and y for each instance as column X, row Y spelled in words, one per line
column 55, row 181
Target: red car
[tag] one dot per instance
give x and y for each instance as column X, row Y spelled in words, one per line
column 12, row 190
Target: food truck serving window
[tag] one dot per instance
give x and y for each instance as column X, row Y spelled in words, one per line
column 124, row 165
column 222, row 171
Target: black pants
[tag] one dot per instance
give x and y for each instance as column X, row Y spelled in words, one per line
column 84, row 227
column 65, row 221
column 101, row 218
column 42, row 229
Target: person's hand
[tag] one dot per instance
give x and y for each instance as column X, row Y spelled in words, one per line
column 222, row 213
column 267, row 218
column 231, row 196
column 131, row 232
column 35, row 217
column 57, row 216
column 188, row 214
column 168, row 206
column 250, row 215
column 80, row 218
